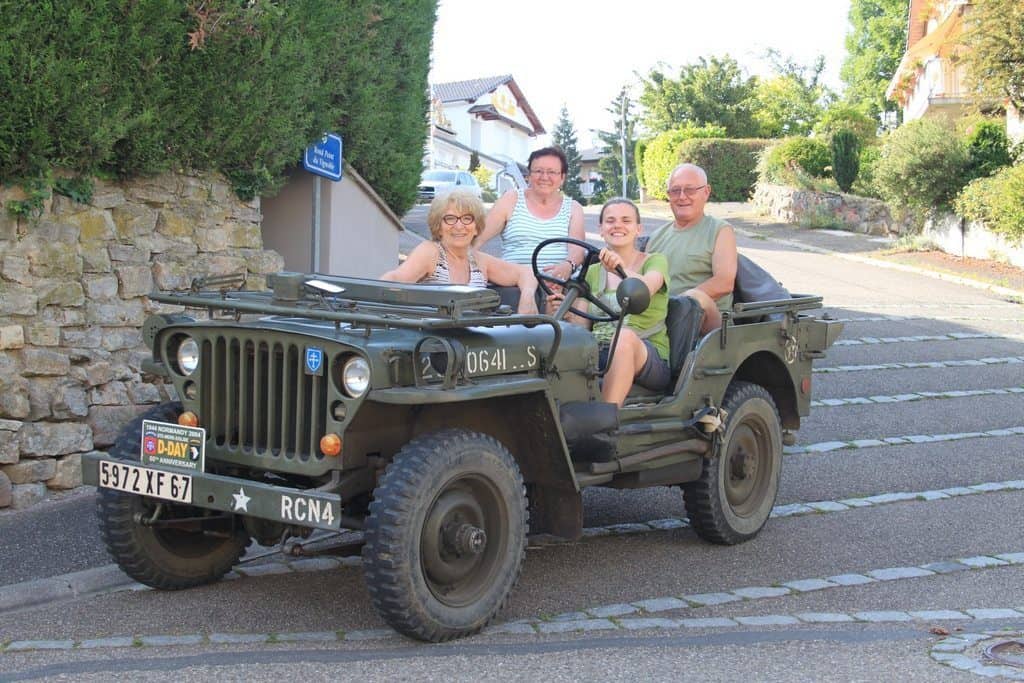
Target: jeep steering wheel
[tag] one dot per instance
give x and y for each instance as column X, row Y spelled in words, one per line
column 575, row 287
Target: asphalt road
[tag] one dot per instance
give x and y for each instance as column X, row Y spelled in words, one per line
column 920, row 401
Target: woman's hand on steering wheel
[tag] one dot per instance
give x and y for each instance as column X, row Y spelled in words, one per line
column 576, row 284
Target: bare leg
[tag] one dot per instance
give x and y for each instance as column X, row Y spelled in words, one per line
column 712, row 316
column 630, row 356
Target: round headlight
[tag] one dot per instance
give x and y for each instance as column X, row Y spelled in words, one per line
column 355, row 376
column 188, row 356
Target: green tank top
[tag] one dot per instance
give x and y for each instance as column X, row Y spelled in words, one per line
column 689, row 254
column 641, row 323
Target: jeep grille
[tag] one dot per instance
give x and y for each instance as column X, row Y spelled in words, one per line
column 257, row 399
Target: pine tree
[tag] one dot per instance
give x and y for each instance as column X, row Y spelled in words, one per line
column 610, row 165
column 564, row 136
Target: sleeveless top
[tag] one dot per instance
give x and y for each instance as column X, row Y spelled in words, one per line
column 689, row 254
column 443, row 276
column 524, row 232
column 650, row 324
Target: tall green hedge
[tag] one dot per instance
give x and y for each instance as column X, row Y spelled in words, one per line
column 132, row 87
column 662, row 154
column 731, row 165
column 997, row 201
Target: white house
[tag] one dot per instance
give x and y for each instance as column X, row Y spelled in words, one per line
column 489, row 116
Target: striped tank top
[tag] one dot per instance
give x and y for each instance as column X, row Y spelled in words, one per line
column 524, row 232
column 442, row 275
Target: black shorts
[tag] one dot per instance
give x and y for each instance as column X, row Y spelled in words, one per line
column 654, row 375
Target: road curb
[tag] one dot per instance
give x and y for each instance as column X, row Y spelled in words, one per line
column 64, row 587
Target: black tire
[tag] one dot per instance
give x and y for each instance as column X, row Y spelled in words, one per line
column 166, row 558
column 734, row 496
column 446, row 535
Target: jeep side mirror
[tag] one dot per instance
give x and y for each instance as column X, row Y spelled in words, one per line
column 633, row 295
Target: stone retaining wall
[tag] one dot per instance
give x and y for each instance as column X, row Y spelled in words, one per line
column 860, row 214
column 72, row 303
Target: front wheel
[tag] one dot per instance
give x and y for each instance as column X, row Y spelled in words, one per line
column 183, row 546
column 734, row 496
column 446, row 535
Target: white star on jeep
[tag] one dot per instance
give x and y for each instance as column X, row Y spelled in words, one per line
column 241, row 500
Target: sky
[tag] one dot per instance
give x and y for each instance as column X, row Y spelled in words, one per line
column 581, row 53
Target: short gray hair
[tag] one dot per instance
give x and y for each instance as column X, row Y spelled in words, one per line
column 688, row 167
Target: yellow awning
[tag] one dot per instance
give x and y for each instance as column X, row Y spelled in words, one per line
column 941, row 42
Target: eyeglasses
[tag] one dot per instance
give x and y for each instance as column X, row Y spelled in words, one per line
column 451, row 219
column 544, row 172
column 675, row 192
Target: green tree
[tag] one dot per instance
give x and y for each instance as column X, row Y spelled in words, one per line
column 661, row 154
column 845, row 116
column 714, row 92
column 564, row 135
column 792, row 101
column 845, row 158
column 995, row 50
column 610, row 166
column 874, row 48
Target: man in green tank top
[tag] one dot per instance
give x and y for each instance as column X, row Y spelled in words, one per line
column 701, row 249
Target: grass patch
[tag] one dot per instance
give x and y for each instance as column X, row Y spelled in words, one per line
column 912, row 243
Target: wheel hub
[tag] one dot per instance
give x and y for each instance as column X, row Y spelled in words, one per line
column 464, row 540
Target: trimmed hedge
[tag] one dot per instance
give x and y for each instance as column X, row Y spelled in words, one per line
column 731, row 165
column 662, row 155
column 812, row 155
column 997, row 201
column 132, row 88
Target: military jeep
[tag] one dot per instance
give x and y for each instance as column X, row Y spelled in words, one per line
column 439, row 423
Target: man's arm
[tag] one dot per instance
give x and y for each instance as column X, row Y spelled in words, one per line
column 723, row 265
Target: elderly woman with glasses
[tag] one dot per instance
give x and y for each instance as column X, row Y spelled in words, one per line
column 525, row 218
column 454, row 219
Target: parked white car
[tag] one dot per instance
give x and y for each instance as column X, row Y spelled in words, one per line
column 439, row 180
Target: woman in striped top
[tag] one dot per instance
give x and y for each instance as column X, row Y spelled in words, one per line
column 525, row 218
column 450, row 259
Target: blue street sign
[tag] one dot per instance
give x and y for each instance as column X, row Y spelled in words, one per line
column 324, row 157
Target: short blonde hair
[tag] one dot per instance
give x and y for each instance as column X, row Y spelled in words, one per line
column 462, row 202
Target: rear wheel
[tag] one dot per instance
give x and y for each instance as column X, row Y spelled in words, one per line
column 165, row 553
column 733, row 498
column 446, row 535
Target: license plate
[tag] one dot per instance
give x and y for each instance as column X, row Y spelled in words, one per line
column 145, row 482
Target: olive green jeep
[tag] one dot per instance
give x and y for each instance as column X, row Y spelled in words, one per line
column 441, row 425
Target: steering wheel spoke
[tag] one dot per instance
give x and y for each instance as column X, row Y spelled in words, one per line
column 577, row 282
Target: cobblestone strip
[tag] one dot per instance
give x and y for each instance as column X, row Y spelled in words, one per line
column 919, row 396
column 952, row 651
column 947, row 651
column 970, row 362
column 859, row 444
column 952, row 336
column 902, row 318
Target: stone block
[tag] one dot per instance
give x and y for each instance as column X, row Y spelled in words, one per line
column 143, row 392
column 9, row 447
column 100, row 286
column 95, row 225
column 31, row 471
column 14, row 398
column 40, row 439
column 107, row 422
column 212, row 239
column 6, row 491
column 69, row 402
column 109, row 394
column 121, row 339
column 26, row 495
column 17, row 300
column 115, row 313
column 135, row 280
column 11, row 337
column 174, row 275
column 127, row 253
column 67, row 473
column 60, row 293
column 103, row 372
column 218, row 264
column 44, row 362
column 54, row 259
column 82, row 338
column 40, row 397
column 174, row 224
column 244, row 235
column 131, row 220
column 161, row 244
column 16, row 269
column 263, row 261
column 107, row 196
column 42, row 334
column 95, row 257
